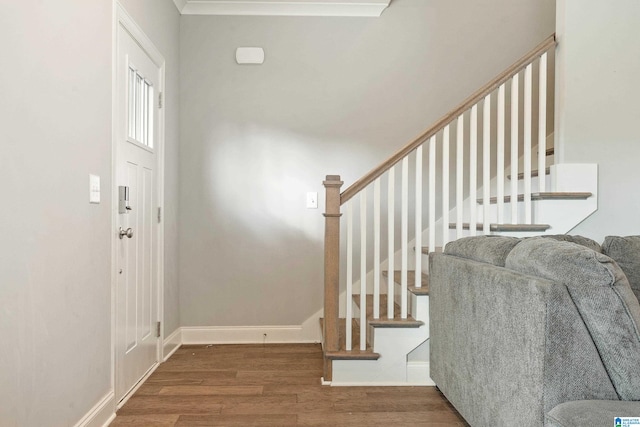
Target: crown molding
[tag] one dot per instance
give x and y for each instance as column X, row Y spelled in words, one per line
column 180, row 4
column 364, row 8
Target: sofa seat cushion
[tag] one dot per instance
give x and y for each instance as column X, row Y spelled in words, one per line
column 626, row 252
column 603, row 297
column 489, row 249
column 591, row 413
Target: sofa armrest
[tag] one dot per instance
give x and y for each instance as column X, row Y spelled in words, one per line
column 491, row 329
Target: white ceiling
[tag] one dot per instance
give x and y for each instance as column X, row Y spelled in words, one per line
column 370, row 8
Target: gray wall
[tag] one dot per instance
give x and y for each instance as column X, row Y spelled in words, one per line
column 334, row 96
column 598, row 109
column 55, row 257
column 160, row 20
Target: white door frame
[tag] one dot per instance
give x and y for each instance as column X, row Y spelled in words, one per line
column 122, row 17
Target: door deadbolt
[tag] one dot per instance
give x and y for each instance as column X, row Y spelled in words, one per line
column 128, row 232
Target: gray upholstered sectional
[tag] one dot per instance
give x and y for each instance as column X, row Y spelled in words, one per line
column 537, row 331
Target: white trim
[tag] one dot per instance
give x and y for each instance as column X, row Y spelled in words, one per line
column 180, row 4
column 171, row 344
column 122, row 17
column 362, row 8
column 101, row 414
column 378, row 384
column 245, row 335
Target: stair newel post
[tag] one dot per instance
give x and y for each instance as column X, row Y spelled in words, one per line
column 332, row 216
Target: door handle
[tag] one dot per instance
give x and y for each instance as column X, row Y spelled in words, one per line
column 128, row 232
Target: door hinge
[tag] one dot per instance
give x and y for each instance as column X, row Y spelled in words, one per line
column 159, row 214
column 160, row 100
column 158, row 329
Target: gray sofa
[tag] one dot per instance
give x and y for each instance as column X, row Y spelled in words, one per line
column 537, row 331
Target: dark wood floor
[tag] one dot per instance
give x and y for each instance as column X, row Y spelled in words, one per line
column 277, row 385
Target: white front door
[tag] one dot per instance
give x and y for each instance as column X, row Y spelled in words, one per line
column 137, row 83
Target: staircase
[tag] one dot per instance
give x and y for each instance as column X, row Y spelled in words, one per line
column 376, row 313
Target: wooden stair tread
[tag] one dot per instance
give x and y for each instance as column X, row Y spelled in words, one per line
column 534, row 173
column 426, row 251
column 355, row 353
column 550, row 151
column 505, row 227
column 411, row 278
column 545, row 196
column 383, row 320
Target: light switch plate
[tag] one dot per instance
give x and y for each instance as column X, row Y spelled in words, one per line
column 94, row 189
column 312, row 200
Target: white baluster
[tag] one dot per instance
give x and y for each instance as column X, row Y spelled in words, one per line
column 405, row 237
column 486, row 163
column 418, row 221
column 527, row 143
column 376, row 249
column 363, row 269
column 445, row 186
column 500, row 155
column 473, row 169
column 391, row 202
column 542, row 124
column 515, row 82
column 459, row 175
column 349, row 296
column 432, row 193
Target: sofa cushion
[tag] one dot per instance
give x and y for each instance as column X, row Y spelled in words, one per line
column 602, row 295
column 626, row 252
column 489, row 249
column 591, row 413
column 580, row 240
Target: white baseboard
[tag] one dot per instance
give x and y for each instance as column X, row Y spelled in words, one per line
column 101, row 414
column 247, row 335
column 171, row 344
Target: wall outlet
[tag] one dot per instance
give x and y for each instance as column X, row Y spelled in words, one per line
column 312, row 200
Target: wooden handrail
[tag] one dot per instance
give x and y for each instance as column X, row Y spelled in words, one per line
column 360, row 184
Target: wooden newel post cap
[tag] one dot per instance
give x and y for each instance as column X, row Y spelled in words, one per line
column 332, row 180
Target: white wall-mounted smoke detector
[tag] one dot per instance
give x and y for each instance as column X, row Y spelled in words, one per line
column 249, row 55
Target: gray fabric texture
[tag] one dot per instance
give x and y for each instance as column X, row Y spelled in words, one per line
column 573, row 369
column 590, row 413
column 580, row 240
column 604, row 299
column 482, row 360
column 626, row 252
column 490, row 249
column 500, row 361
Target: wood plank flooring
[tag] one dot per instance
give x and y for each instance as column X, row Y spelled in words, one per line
column 271, row 385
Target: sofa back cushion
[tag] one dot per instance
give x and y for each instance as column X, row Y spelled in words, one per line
column 580, row 240
column 489, row 249
column 602, row 295
column 626, row 252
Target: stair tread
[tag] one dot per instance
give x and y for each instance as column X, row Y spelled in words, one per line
column 425, row 249
column 505, row 227
column 411, row 278
column 355, row 353
column 550, row 151
column 534, row 173
column 384, row 320
column 548, row 195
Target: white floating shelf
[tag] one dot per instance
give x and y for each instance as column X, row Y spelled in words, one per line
column 364, row 8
